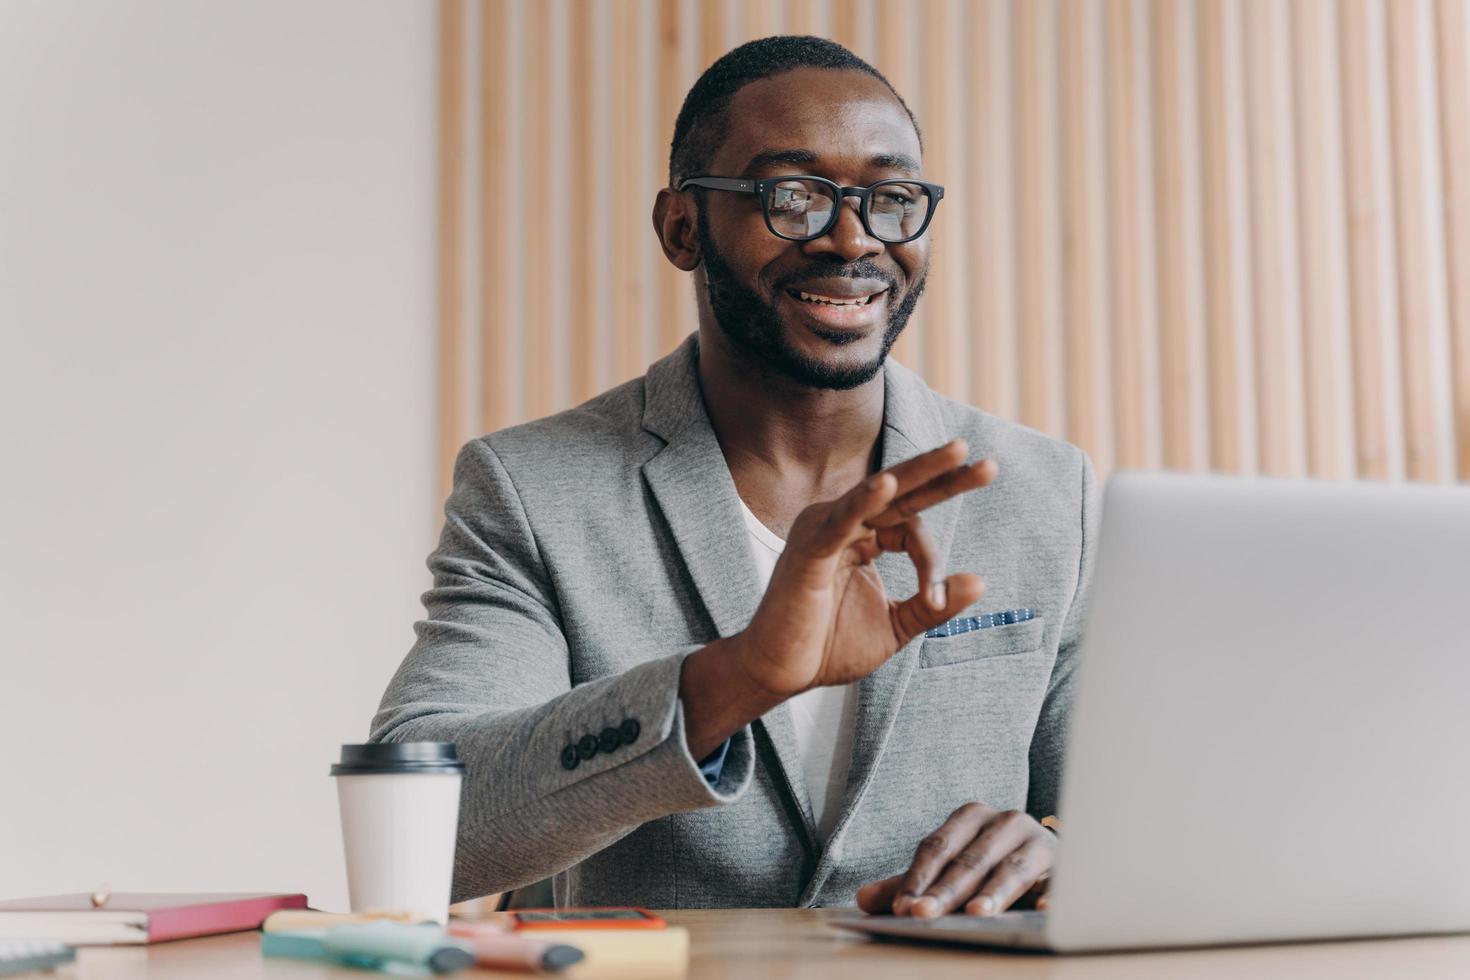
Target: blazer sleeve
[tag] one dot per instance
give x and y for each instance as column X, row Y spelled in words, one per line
column 1048, row 741
column 490, row 672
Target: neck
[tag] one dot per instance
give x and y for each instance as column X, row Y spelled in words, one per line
column 805, row 435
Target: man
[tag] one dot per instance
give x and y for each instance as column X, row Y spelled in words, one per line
column 695, row 639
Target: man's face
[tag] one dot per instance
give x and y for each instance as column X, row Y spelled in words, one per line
column 845, row 126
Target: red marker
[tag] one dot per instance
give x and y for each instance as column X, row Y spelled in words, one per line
column 499, row 949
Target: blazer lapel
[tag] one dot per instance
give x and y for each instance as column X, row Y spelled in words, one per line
column 912, row 424
column 692, row 484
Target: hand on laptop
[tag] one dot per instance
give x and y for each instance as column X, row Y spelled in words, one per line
column 981, row 861
column 825, row 618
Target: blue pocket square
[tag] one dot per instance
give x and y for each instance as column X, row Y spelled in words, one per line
column 964, row 624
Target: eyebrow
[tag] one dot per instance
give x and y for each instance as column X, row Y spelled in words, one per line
column 767, row 157
column 884, row 161
column 895, row 161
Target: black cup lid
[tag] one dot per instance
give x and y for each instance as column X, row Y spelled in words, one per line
column 398, row 757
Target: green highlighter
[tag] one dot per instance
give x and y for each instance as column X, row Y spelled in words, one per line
column 391, row 947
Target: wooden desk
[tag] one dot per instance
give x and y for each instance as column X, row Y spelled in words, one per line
column 790, row 944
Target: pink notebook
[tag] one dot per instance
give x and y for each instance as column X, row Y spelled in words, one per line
column 137, row 917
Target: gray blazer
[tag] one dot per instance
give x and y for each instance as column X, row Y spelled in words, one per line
column 586, row 554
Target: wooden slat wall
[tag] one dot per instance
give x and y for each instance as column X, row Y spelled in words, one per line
column 1367, row 225
column 1230, row 235
column 1411, row 245
column 451, row 417
column 1079, row 65
column 1321, row 263
column 1224, row 318
column 1454, row 120
column 1125, row 244
column 498, row 310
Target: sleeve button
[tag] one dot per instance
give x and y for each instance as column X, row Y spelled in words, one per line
column 587, row 747
column 609, row 740
column 629, row 730
column 569, row 757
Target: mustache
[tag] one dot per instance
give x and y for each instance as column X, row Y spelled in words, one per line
column 857, row 270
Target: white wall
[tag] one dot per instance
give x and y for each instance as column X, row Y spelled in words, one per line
column 216, row 308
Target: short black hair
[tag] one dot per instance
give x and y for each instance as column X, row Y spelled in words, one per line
column 700, row 126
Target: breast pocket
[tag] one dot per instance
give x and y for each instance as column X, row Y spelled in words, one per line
column 998, row 641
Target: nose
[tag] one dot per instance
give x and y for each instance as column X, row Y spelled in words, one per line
column 847, row 238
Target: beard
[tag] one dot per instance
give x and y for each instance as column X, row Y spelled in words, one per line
column 754, row 326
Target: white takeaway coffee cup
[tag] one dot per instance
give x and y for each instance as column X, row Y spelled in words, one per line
column 400, row 818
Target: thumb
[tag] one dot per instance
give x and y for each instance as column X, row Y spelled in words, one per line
column 877, row 897
column 919, row 612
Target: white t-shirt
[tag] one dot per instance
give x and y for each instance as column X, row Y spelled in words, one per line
column 823, row 716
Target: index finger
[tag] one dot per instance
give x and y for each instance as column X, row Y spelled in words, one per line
column 952, row 483
column 914, row 473
column 935, row 851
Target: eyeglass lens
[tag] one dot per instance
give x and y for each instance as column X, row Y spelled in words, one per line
column 802, row 208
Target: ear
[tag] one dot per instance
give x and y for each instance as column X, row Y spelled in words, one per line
column 674, row 223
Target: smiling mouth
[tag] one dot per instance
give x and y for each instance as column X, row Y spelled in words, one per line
column 818, row 299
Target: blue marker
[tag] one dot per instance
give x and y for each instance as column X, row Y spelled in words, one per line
column 387, row 946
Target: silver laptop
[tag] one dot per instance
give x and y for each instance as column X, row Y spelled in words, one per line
column 1270, row 733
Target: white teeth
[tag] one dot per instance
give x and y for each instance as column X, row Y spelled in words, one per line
column 813, row 298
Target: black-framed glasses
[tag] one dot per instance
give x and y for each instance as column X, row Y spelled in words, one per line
column 801, row 208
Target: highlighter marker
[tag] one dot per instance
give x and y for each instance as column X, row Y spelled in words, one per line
column 517, row 953
column 497, row 948
column 375, row 946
